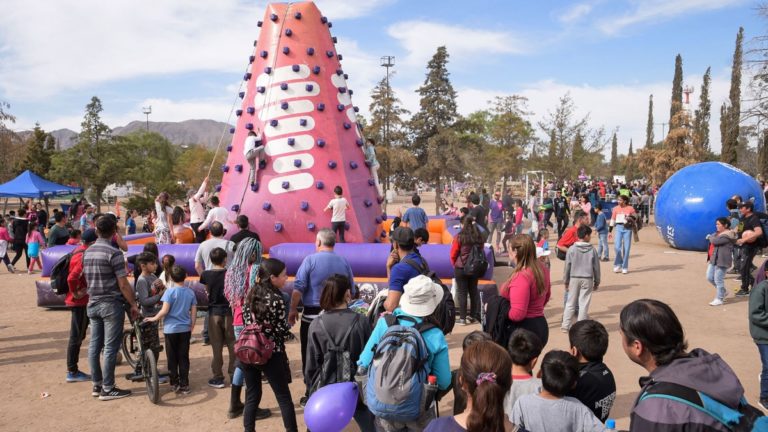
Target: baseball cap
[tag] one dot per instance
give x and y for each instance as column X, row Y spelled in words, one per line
column 403, row 236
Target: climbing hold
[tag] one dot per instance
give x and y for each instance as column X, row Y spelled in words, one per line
column 225, row 168
column 251, row 59
column 342, row 89
column 356, row 109
column 303, row 122
column 295, row 68
column 291, row 141
column 339, row 57
column 331, row 164
column 288, row 32
column 273, row 122
column 254, row 187
column 239, row 112
column 259, row 24
column 310, row 226
column 218, row 188
column 231, row 130
column 320, row 106
column 368, row 203
column 297, row 163
column 353, row 165
column 359, row 142
column 304, row 205
column 346, row 77
column 229, row 148
column 350, row 93
column 235, row 208
column 261, row 89
column 239, row 168
column 286, row 50
column 310, row 51
column 380, row 199
column 371, row 182
column 340, row 107
column 249, row 126
column 278, row 227
column 383, row 234
column 330, row 24
column 255, row 42
column 378, row 220
column 241, row 94
column 297, row 15
column 324, row 20
column 286, row 184
column 263, row 54
column 319, row 185
column 266, row 205
column 339, row 72
column 321, row 143
column 284, row 86
column 273, row 17
column 347, row 125
column 329, row 53
column 334, row 39
column 268, row 70
column 316, row 70
column 262, row 164
column 309, row 87
column 284, row 105
column 251, row 110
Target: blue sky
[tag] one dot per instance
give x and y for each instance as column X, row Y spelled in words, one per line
column 185, row 58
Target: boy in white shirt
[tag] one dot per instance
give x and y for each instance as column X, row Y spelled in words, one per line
column 253, row 149
column 339, row 206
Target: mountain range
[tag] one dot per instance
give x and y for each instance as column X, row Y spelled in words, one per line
column 204, row 132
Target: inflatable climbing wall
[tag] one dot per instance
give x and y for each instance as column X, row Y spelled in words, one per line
column 296, row 97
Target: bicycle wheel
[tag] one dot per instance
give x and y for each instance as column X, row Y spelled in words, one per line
column 151, row 376
column 130, row 347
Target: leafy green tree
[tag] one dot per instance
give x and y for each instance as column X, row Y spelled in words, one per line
column 701, row 118
column 154, row 171
column 762, row 155
column 677, row 90
column 511, row 134
column 730, row 113
column 614, row 155
column 97, row 159
column 649, row 138
column 434, row 143
column 39, row 148
column 191, row 166
column 629, row 163
column 10, row 144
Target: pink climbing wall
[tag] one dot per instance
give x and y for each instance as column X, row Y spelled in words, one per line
column 296, row 93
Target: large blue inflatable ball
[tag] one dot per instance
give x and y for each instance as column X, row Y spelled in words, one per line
column 689, row 202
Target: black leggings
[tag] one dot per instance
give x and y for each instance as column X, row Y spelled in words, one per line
column 467, row 284
column 338, row 228
column 177, row 351
column 19, row 248
column 537, row 325
column 278, row 380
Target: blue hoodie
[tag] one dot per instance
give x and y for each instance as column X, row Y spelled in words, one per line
column 600, row 224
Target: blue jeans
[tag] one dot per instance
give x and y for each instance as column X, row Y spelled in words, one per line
column 716, row 276
column 106, row 335
column 238, row 378
column 602, row 245
column 763, row 348
column 621, row 245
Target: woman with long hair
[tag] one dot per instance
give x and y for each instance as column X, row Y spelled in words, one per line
column 466, row 283
column 485, row 376
column 245, row 262
column 528, row 289
column 163, row 224
column 264, row 305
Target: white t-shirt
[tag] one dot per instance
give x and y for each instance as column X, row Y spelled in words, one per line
column 252, row 143
column 339, row 206
column 162, row 216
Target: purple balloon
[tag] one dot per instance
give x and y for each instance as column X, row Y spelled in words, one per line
column 331, row 408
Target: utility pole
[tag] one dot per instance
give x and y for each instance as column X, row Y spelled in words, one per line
column 387, row 62
column 147, row 111
column 663, row 133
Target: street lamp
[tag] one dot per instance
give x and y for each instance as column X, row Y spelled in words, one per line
column 147, row 111
column 387, row 62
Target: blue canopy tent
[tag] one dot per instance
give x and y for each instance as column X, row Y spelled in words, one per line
column 31, row 185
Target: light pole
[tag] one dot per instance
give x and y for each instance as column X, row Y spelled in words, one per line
column 387, row 62
column 147, row 111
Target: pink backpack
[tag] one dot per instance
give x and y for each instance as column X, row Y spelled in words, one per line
column 253, row 347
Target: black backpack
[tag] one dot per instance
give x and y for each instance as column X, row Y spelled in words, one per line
column 446, row 310
column 338, row 365
column 476, row 264
column 59, row 274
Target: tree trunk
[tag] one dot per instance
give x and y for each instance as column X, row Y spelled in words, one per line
column 438, row 194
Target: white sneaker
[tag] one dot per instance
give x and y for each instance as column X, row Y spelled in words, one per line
column 716, row 302
column 616, row 269
column 624, row 271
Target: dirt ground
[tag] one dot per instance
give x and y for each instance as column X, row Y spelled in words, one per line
column 33, row 351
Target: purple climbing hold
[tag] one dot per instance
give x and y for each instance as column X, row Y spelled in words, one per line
column 310, row 51
column 339, row 56
column 339, row 72
column 371, row 182
column 330, row 24
column 254, row 187
column 297, row 163
column 235, row 208
column 319, row 185
column 331, row 164
column 286, row 184
column 218, row 188
column 309, row 87
column 266, row 205
column 297, row 15
column 261, row 89
column 263, row 54
column 304, row 205
column 284, row 86
column 268, row 70
column 251, row 59
column 295, row 68
column 342, row 89
column 249, row 126
column 259, row 24
column 347, row 125
column 251, row 110
column 350, row 92
column 368, row 203
column 353, row 165
column 359, row 142
column 273, row 17
column 302, row 122
column 225, row 168
column 229, row 148
column 346, row 77
column 288, row 32
column 239, row 112
column 378, row 220
column 340, row 107
column 324, row 20
column 329, row 53
column 321, row 143
column 231, row 130
column 316, row 70
column 321, row 106
column 278, row 227
column 241, row 94
column 334, row 39
column 262, row 164
column 273, row 122
column 284, row 105
column 286, row 50
column 356, row 108
column 383, row 234
column 291, row 141
column 239, row 168
column 310, row 226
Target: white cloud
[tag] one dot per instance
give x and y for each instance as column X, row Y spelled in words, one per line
column 421, row 38
column 576, row 12
column 657, row 10
column 75, row 44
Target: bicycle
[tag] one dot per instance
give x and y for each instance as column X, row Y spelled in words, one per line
column 142, row 359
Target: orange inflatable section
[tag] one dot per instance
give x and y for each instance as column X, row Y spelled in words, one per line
column 438, row 234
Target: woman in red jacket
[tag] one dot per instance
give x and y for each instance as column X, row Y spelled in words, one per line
column 528, row 289
column 468, row 237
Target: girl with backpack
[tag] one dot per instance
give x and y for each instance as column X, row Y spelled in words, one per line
column 335, row 341
column 486, row 377
column 394, row 398
column 528, row 289
column 466, row 282
column 264, row 304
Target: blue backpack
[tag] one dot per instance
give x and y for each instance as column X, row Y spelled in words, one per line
column 398, row 371
column 746, row 418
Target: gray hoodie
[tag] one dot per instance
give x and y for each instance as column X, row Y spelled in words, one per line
column 581, row 261
column 701, row 371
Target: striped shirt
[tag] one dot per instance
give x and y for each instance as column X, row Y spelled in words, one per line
column 102, row 266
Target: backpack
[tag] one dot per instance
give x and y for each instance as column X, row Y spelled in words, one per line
column 253, row 347
column 398, row 371
column 60, row 273
column 337, row 362
column 476, row 264
column 446, row 310
column 745, row 418
column 763, row 240
column 496, row 322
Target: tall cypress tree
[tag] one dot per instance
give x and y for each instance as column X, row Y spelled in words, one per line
column 629, row 167
column 701, row 145
column 677, row 91
column 729, row 126
column 649, row 126
column 614, row 155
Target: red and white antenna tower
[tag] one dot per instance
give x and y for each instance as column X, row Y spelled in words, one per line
column 687, row 90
